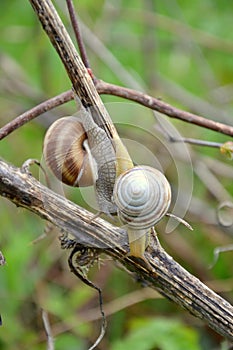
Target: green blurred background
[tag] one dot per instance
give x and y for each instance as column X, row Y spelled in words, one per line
column 179, row 51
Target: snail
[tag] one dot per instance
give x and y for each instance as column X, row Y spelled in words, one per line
column 142, row 196
column 79, row 153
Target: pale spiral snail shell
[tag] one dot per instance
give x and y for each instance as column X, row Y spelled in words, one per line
column 142, row 196
column 65, row 152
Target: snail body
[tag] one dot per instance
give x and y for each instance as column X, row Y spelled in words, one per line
column 142, row 196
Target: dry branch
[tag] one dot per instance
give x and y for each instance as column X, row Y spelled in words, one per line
column 163, row 107
column 169, row 278
column 35, row 112
column 79, row 76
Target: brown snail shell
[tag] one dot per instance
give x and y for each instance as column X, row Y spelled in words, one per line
column 65, row 154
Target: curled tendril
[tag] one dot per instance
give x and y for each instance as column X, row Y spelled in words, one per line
column 219, row 250
column 225, row 214
column 81, row 259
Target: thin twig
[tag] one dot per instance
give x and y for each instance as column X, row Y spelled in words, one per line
column 163, row 130
column 35, row 112
column 195, row 142
column 133, row 95
column 162, row 107
column 77, row 33
column 50, row 340
column 211, row 182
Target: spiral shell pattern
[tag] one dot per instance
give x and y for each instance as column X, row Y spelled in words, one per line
column 64, row 152
column 142, row 195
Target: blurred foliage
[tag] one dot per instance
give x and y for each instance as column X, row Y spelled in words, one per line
column 158, row 333
column 177, row 50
